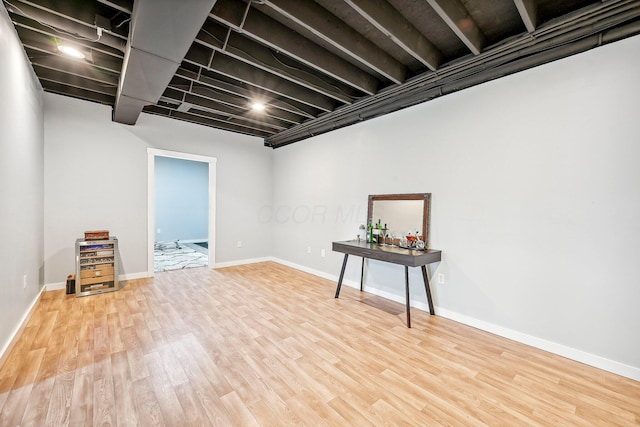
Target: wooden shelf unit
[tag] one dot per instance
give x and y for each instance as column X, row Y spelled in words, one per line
column 96, row 266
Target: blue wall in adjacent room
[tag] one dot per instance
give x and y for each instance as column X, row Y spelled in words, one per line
column 181, row 199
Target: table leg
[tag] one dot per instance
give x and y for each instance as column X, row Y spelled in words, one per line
column 344, row 265
column 406, row 284
column 362, row 276
column 426, row 288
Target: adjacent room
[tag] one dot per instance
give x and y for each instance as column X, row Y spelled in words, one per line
column 319, row 213
column 181, row 214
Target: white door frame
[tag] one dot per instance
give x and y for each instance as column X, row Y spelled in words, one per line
column 151, row 211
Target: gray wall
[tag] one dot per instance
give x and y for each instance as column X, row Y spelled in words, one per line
column 96, row 177
column 535, row 202
column 181, row 199
column 21, row 182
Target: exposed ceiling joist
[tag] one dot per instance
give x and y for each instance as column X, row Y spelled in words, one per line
column 62, row 89
column 265, row 59
column 80, row 70
column 528, row 12
column 76, row 81
column 500, row 62
column 389, row 21
column 202, row 101
column 203, row 120
column 84, row 12
column 267, row 82
column 37, row 43
column 288, row 110
column 318, row 64
column 45, row 59
column 329, row 28
column 250, row 127
column 287, row 119
column 125, row 6
column 260, row 56
column 65, row 25
column 218, row 100
column 461, row 23
column 32, row 25
column 271, row 33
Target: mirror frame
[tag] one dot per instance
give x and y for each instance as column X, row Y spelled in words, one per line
column 426, row 197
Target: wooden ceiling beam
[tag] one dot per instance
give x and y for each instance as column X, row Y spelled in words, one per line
column 203, row 120
column 456, row 16
column 125, row 6
column 74, row 92
column 193, row 85
column 236, row 69
column 233, row 120
column 242, row 48
column 332, row 30
column 35, row 42
column 204, row 102
column 81, row 70
column 83, row 27
column 255, row 54
column 83, row 12
column 29, row 24
column 242, row 96
column 72, row 80
column 392, row 24
column 270, row 32
column 266, row 82
column 528, row 13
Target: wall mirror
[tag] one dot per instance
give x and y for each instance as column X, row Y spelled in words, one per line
column 402, row 213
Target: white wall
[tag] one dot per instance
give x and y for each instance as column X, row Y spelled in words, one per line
column 96, row 177
column 181, row 200
column 21, row 182
column 535, row 202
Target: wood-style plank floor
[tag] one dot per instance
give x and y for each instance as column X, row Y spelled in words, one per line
column 264, row 344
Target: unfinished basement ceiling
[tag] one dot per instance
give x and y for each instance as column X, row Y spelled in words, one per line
column 316, row 65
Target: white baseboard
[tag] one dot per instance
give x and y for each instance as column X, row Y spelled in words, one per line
column 309, row 270
column 121, row 277
column 542, row 344
column 552, row 347
column 242, row 262
column 9, row 343
column 133, row 276
column 55, row 286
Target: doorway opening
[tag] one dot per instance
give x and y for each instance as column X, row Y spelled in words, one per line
column 181, row 209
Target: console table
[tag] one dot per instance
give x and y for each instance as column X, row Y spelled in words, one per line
column 394, row 255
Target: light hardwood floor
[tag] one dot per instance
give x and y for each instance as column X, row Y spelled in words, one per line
column 264, row 344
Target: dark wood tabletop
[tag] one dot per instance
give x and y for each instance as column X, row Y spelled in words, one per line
column 392, row 254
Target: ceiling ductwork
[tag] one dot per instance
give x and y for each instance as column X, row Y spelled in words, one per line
column 160, row 35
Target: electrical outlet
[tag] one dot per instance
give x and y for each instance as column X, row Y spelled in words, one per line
column 158, row 231
column 441, row 278
column 239, row 243
column 322, row 253
column 308, row 249
column 24, row 282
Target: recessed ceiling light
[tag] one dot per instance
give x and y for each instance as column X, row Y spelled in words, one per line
column 257, row 106
column 71, row 51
